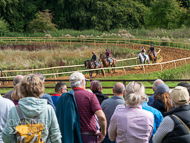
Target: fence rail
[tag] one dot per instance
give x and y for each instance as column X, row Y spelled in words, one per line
column 123, row 81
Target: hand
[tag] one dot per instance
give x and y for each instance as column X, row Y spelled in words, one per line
column 101, row 137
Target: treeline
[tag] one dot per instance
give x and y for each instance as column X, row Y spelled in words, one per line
column 103, row 15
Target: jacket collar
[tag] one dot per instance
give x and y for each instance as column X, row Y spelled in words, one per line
column 59, row 95
column 117, row 97
column 183, row 108
column 78, row 88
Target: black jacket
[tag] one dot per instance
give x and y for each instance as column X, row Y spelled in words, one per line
column 180, row 134
column 94, row 58
column 152, row 49
column 101, row 97
column 157, row 103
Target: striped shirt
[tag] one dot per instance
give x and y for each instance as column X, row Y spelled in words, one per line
column 87, row 104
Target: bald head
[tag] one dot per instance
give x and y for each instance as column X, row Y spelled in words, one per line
column 119, row 89
column 17, row 79
column 156, row 83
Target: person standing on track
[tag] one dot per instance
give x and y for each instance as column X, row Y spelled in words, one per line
column 94, row 59
column 107, row 53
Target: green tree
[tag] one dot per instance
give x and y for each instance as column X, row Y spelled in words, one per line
column 4, row 27
column 165, row 14
column 42, row 22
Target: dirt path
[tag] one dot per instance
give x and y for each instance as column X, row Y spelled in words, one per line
column 168, row 54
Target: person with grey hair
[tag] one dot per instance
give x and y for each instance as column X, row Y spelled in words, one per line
column 45, row 95
column 85, row 104
column 175, row 126
column 155, row 84
column 109, row 105
column 17, row 79
column 130, row 123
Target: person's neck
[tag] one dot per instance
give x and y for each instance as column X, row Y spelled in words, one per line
column 120, row 95
column 58, row 93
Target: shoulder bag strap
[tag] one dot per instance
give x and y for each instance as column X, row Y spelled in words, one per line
column 19, row 112
column 182, row 123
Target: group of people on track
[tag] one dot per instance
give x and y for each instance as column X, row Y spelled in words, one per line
column 95, row 58
column 152, row 49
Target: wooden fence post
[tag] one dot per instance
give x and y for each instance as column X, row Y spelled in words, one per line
column 104, row 73
column 175, row 64
column 143, row 68
column 161, row 67
column 124, row 82
column 124, row 71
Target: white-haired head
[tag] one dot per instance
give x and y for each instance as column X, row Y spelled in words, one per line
column 156, row 83
column 77, row 79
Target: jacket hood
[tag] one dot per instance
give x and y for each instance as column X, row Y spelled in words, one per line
column 32, row 106
column 157, row 103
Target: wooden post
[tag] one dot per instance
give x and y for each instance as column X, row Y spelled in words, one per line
column 136, row 61
column 175, row 64
column 161, row 67
column 32, row 71
column 104, row 73
column 57, row 70
column 124, row 82
column 124, row 71
column 185, row 61
column 143, row 68
column 77, row 68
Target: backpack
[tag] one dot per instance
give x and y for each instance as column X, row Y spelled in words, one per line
column 28, row 132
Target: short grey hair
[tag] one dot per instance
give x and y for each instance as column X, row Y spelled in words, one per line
column 76, row 79
column 17, row 79
column 119, row 88
column 157, row 82
column 41, row 76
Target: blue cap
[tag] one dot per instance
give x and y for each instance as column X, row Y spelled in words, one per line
column 151, row 44
column 162, row 88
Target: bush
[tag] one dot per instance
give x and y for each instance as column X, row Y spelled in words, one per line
column 42, row 22
column 3, row 27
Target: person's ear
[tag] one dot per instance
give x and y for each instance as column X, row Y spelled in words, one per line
column 113, row 91
column 153, row 89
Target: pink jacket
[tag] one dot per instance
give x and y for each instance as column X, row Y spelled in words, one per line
column 131, row 125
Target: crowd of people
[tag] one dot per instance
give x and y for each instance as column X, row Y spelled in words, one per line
column 88, row 116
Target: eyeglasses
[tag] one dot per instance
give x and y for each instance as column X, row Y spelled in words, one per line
column 65, row 89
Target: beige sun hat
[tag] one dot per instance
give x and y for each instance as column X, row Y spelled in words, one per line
column 180, row 95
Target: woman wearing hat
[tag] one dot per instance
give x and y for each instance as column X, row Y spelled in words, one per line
column 175, row 126
column 162, row 99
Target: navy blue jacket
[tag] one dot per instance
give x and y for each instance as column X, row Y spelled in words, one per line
column 49, row 100
column 157, row 104
column 68, row 118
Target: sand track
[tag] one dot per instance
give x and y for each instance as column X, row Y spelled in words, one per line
column 168, row 54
